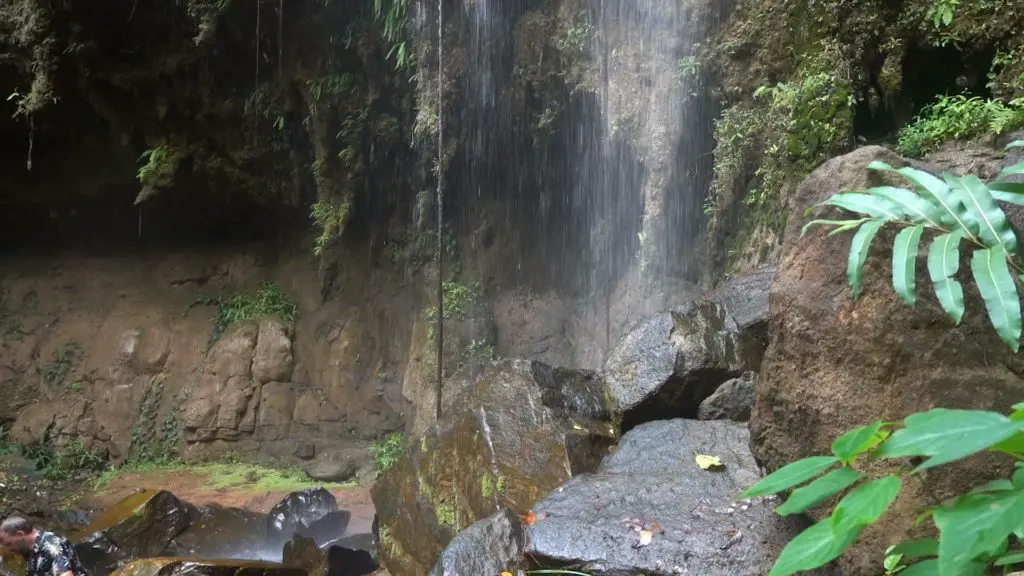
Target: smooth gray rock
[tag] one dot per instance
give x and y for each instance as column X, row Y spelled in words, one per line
column 746, row 297
column 732, row 401
column 338, row 465
column 490, row 546
column 652, row 482
column 666, row 366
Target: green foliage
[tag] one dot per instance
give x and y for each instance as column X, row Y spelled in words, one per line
column 61, row 463
column 480, row 352
column 61, row 365
column 393, row 15
column 7, row 446
column 975, row 530
column 942, row 12
column 269, row 300
column 954, row 209
column 330, row 218
column 386, row 452
column 148, row 444
column 459, row 300
column 576, row 39
column 958, row 118
column 157, row 171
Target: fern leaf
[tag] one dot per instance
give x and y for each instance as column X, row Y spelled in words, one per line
column 1012, row 192
column 859, row 253
column 994, row 228
column 943, row 263
column 1015, row 144
column 1011, row 170
column 912, row 205
column 992, row 274
column 904, row 263
column 938, row 193
column 841, row 225
column 866, row 204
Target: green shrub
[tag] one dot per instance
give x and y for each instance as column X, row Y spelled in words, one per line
column 61, row 463
column 957, row 210
column 958, row 118
column 330, row 218
column 975, row 529
column 459, row 300
column 386, row 452
column 269, row 300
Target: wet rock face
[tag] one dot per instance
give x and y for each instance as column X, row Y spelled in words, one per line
column 732, row 401
column 201, row 567
column 514, row 435
column 595, row 520
column 490, row 546
column 669, row 364
column 333, row 561
column 139, row 526
column 835, row 363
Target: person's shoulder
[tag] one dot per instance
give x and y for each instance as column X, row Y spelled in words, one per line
column 53, row 539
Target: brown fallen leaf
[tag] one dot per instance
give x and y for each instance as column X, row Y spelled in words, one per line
column 645, row 538
column 531, row 518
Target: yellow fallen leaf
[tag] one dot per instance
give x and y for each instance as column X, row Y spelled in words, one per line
column 707, row 462
column 506, row 574
column 645, row 537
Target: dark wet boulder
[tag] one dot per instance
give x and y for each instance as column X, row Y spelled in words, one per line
column 220, row 532
column 302, row 552
column 732, row 401
column 170, row 566
column 298, row 511
column 652, row 483
column 342, row 561
column 490, row 546
column 139, row 526
column 329, row 528
column 745, row 298
column 514, row 434
column 359, row 541
column 671, row 362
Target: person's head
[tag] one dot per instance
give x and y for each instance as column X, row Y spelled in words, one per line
column 17, row 535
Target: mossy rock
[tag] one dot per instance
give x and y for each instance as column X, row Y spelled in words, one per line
column 517, row 433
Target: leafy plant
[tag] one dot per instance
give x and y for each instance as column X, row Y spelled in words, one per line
column 975, row 529
column 942, row 12
column 954, row 209
column 61, row 365
column 957, row 118
column 459, row 300
column 7, row 446
column 386, row 452
column 394, row 15
column 60, row 463
column 269, row 300
column 330, row 217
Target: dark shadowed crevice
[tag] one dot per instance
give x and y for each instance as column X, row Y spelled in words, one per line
column 678, row 398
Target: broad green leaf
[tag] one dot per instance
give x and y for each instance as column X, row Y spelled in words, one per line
column 1015, row 144
column 947, row 435
column 915, row 548
column 1011, row 170
column 865, row 504
column 931, row 568
column 943, row 263
column 859, row 253
column 913, row 206
column 998, row 485
column 802, row 499
column 790, row 475
column 975, row 524
column 844, row 224
column 938, row 193
column 904, row 263
column 1018, row 476
column 995, row 229
column 1010, row 559
column 1012, row 192
column 1013, row 445
column 998, row 290
column 858, row 441
column 812, row 548
column 866, row 204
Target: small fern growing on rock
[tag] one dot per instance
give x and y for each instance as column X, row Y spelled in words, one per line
column 954, row 209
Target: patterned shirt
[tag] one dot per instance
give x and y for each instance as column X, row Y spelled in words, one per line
column 53, row 556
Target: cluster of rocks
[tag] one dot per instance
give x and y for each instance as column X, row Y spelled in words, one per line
column 595, row 470
column 153, row 532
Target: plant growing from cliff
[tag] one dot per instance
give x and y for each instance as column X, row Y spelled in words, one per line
column 982, row 528
column 61, row 365
column 269, row 300
column 958, row 118
column 386, row 452
column 954, row 210
column 393, row 15
column 459, row 300
column 942, row 12
column 330, row 216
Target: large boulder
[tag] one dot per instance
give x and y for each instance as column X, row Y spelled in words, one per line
column 666, row 366
column 518, row 432
column 298, row 511
column 141, row 525
column 652, row 483
column 163, row 566
column 835, row 363
column 732, row 401
column 220, row 532
column 490, row 546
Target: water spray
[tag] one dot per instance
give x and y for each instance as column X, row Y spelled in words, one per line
column 440, row 204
